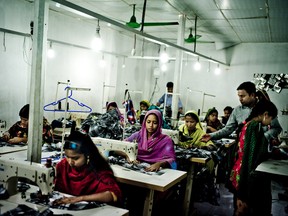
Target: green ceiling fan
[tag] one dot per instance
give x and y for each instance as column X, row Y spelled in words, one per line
column 191, row 38
column 134, row 24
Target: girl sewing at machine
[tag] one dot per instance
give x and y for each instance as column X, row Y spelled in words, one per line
column 18, row 133
column 157, row 150
column 154, row 147
column 84, row 173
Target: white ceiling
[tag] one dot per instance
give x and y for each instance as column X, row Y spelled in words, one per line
column 227, row 22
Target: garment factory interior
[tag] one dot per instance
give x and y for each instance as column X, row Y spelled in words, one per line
column 48, row 46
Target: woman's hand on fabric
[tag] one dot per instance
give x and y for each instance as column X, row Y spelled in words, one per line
column 154, row 167
column 136, row 162
column 67, row 200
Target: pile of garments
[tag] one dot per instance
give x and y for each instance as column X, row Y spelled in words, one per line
column 106, row 125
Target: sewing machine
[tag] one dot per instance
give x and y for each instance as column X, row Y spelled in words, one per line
column 105, row 145
column 11, row 169
column 173, row 134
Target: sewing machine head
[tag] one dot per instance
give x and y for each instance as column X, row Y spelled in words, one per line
column 106, row 145
column 173, row 134
column 11, row 169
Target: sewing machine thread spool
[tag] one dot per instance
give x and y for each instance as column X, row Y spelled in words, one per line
column 48, row 162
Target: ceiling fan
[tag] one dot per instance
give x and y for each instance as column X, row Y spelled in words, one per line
column 134, row 24
column 191, row 38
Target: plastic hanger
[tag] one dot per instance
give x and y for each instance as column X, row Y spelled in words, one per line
column 49, row 106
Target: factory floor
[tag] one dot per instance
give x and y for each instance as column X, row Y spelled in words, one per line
column 226, row 203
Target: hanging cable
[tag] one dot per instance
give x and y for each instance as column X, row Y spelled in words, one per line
column 154, row 90
column 4, row 42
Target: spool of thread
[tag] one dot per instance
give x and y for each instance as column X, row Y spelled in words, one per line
column 48, row 162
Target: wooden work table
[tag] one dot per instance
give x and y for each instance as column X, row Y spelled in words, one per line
column 277, row 167
column 12, row 148
column 152, row 182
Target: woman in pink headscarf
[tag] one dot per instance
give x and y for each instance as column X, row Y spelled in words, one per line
column 154, row 147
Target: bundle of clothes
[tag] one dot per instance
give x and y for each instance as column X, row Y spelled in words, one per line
column 205, row 188
column 105, row 125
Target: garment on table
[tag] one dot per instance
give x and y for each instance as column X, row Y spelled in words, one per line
column 114, row 104
column 159, row 147
column 106, row 126
column 84, row 181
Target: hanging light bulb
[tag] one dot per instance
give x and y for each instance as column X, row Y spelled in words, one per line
column 123, row 65
column 164, row 67
column 102, row 62
column 197, row 65
column 97, row 42
column 164, row 58
column 50, row 51
column 217, row 70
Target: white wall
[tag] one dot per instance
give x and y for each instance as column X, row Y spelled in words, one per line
column 82, row 68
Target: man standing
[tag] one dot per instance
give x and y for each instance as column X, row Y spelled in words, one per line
column 167, row 100
column 247, row 97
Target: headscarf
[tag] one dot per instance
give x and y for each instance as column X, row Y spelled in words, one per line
column 159, row 147
column 194, row 113
column 145, row 102
column 196, row 135
column 156, row 136
column 210, row 111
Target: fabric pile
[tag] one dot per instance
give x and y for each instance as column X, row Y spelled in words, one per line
column 106, row 125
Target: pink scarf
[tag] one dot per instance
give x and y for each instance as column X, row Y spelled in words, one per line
column 159, row 147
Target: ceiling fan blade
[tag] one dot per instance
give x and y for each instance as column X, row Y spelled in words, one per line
column 243, row 18
column 160, row 23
